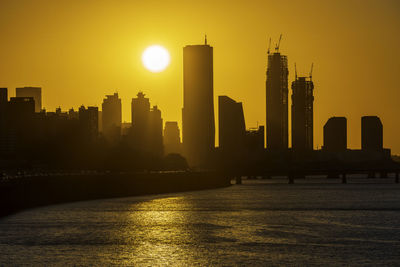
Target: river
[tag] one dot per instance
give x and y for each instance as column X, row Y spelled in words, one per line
column 258, row 223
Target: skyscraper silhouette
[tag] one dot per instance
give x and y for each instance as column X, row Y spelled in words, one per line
column 232, row 128
column 277, row 101
column 111, row 117
column 140, row 122
column 371, row 133
column 155, row 132
column 198, row 128
column 335, row 134
column 35, row 92
column 302, row 114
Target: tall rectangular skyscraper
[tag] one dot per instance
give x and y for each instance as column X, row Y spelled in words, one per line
column 35, row 92
column 277, row 102
column 302, row 114
column 198, row 126
column 112, row 117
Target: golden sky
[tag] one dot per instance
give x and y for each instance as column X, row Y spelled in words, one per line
column 78, row 51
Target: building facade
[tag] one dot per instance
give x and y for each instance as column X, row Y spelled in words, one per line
column 198, row 125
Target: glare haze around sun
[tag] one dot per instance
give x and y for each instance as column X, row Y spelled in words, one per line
column 155, row 58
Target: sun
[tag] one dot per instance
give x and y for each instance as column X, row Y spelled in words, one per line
column 155, row 58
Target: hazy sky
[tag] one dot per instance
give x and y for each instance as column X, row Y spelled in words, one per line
column 78, row 51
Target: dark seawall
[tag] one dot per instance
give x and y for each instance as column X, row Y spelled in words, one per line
column 29, row 192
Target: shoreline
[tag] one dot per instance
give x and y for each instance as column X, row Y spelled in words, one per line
column 31, row 192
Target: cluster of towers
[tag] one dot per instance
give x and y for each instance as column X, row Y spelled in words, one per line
column 234, row 140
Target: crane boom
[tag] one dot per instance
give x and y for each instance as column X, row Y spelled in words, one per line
column 278, row 44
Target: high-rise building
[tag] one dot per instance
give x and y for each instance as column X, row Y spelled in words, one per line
column 371, row 133
column 335, row 134
column 198, row 126
column 172, row 139
column 112, row 117
column 88, row 119
column 277, row 101
column 302, row 114
column 35, row 92
column 232, row 128
column 140, row 122
column 155, row 142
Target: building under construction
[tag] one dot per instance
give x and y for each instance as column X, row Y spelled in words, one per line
column 277, row 100
column 302, row 114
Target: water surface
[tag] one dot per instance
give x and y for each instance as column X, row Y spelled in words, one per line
column 257, row 223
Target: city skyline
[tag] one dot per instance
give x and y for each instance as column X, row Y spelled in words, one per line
column 363, row 36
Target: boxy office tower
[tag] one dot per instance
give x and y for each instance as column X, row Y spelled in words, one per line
column 371, row 133
column 198, row 126
column 302, row 114
column 335, row 134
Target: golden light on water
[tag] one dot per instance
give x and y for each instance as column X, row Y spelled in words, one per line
column 156, row 58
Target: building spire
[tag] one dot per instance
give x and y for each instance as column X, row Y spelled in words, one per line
column 205, row 39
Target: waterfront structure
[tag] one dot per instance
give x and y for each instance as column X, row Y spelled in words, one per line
column 111, row 117
column 232, row 128
column 34, row 92
column 302, row 114
column 172, row 139
column 335, row 134
column 277, row 101
column 198, row 125
column 371, row 133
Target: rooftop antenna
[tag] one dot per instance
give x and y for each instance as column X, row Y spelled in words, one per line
column 295, row 70
column 278, row 44
column 269, row 46
column 205, row 39
column 312, row 66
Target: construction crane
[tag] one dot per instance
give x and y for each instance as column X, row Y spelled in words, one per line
column 312, row 66
column 295, row 70
column 278, row 44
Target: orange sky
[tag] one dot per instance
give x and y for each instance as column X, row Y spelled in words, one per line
column 78, row 51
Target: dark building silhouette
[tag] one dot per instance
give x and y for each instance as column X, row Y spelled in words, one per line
column 35, row 92
column 371, row 133
column 3, row 110
column 140, row 122
column 155, row 132
column 146, row 130
column 198, row 126
column 111, row 117
column 88, row 120
column 20, row 111
column 232, row 128
column 302, row 114
column 3, row 95
column 335, row 134
column 172, row 139
column 255, row 140
column 277, row 101
column 72, row 114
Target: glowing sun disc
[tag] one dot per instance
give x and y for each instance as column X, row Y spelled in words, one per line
column 155, row 58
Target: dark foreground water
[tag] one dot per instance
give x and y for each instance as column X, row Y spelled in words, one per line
column 257, row 223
